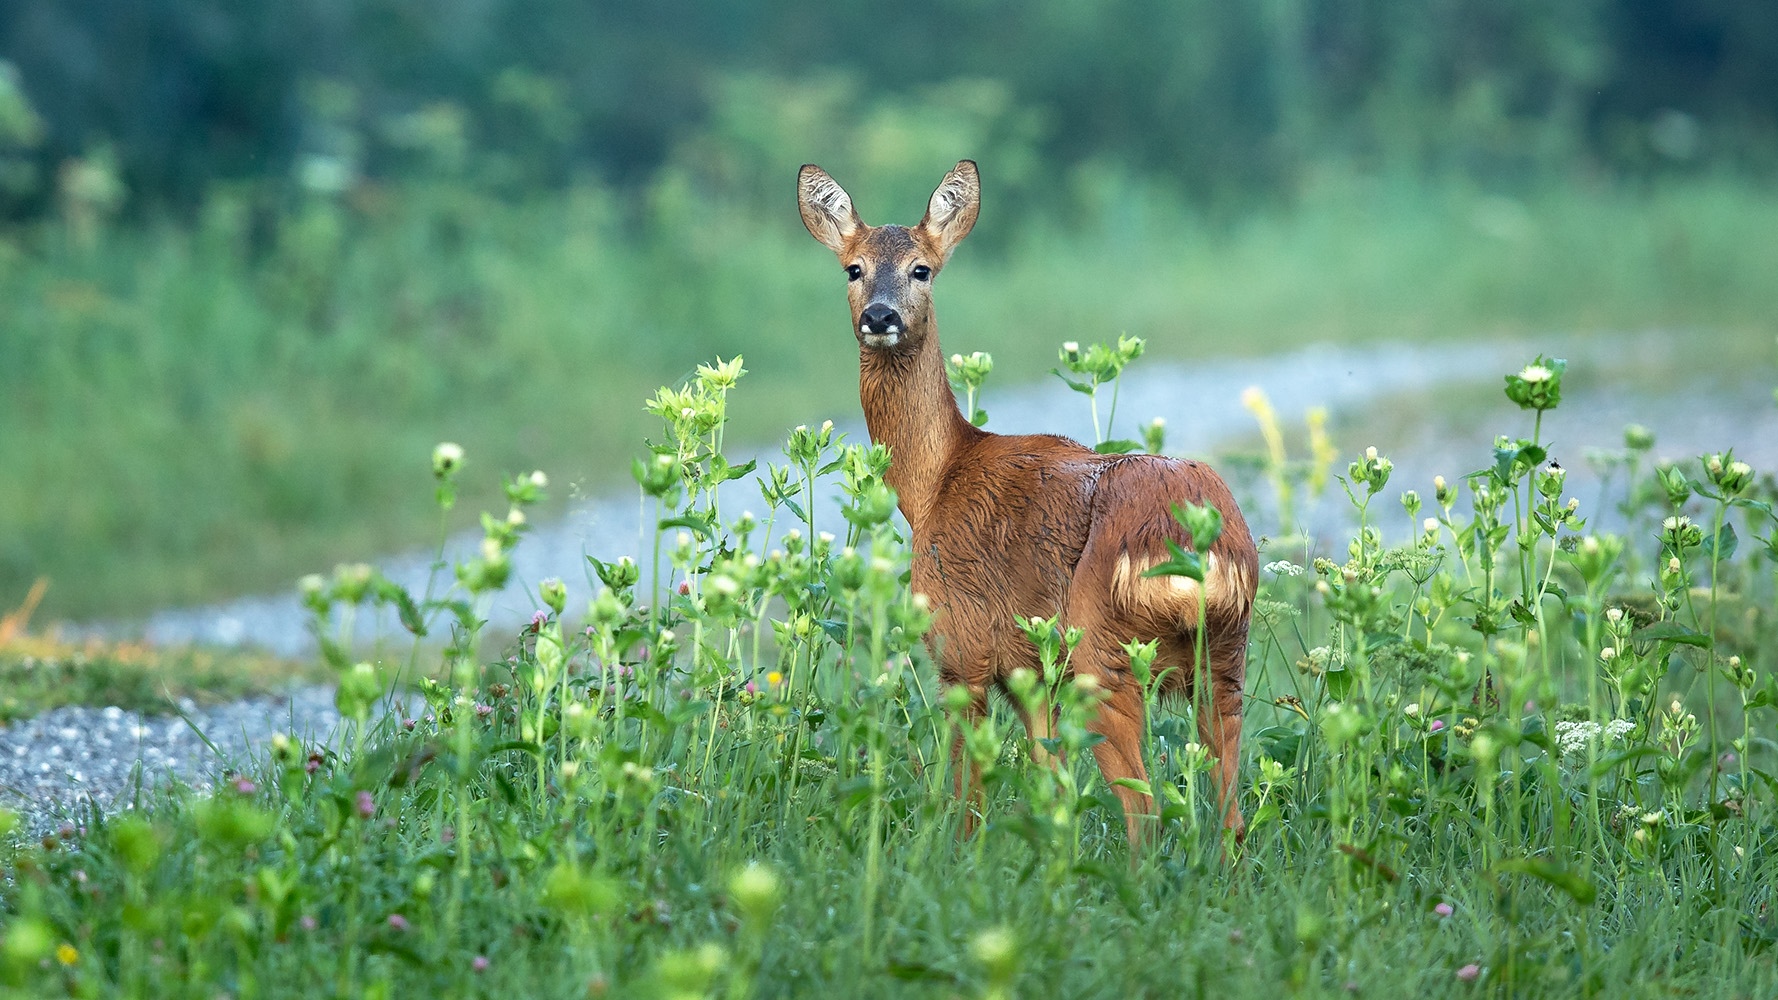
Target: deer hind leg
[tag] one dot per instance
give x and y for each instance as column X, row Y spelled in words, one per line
column 1118, row 718
column 1219, row 729
column 1119, row 755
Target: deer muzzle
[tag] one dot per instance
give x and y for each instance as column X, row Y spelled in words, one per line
column 879, row 325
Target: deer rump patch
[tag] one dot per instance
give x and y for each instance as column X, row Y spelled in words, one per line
column 1225, row 590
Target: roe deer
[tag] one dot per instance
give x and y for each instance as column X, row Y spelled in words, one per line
column 1014, row 526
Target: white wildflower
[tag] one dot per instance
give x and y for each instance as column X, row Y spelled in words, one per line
column 1573, row 737
column 1284, row 567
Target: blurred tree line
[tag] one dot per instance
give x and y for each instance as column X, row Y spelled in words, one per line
column 1218, row 100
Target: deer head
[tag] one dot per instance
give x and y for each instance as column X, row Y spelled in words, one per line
column 889, row 269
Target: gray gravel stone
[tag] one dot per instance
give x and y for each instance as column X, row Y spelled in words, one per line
column 53, row 766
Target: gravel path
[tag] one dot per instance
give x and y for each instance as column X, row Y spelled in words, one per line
column 50, row 766
column 1393, row 396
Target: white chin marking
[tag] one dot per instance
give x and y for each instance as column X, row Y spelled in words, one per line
column 882, row 339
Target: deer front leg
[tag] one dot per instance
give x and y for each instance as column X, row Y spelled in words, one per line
column 966, row 776
column 1040, row 724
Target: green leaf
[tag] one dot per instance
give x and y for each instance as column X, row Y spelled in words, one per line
column 1086, row 388
column 1183, row 563
column 727, row 472
column 1281, row 743
column 1134, row 784
column 1672, row 632
column 1503, row 463
column 384, row 946
column 334, row 654
column 1117, row 880
column 409, row 612
column 1605, row 765
column 1268, row 813
column 1119, row 447
column 523, row 746
column 1579, row 887
column 912, row 971
column 1723, row 545
column 697, row 524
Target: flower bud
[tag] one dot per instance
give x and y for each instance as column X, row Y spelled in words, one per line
column 756, row 890
column 1728, row 474
column 447, row 458
column 554, row 593
column 997, row 952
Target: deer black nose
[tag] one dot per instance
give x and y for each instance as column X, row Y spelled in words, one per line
column 879, row 318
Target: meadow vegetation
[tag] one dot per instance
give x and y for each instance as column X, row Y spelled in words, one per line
column 220, row 405
column 1494, row 751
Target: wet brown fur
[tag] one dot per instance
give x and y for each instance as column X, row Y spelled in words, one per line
column 1014, row 526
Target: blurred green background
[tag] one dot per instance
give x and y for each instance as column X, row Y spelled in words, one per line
column 257, row 258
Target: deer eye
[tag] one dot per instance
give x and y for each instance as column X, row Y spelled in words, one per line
column 922, row 272
column 854, row 272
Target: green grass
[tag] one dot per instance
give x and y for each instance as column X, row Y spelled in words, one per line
column 44, row 670
column 578, row 807
column 38, row 673
column 190, row 413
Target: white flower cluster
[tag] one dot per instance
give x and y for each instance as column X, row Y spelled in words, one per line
column 1573, row 738
column 1284, row 567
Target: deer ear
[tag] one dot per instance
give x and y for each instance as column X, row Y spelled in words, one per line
column 827, row 209
column 950, row 215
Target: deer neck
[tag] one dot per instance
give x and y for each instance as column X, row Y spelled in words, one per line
column 909, row 406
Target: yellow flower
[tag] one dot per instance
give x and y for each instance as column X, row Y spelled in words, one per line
column 67, row 954
column 774, row 678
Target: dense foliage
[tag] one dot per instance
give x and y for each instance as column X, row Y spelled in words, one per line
column 1214, row 98
column 1502, row 752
